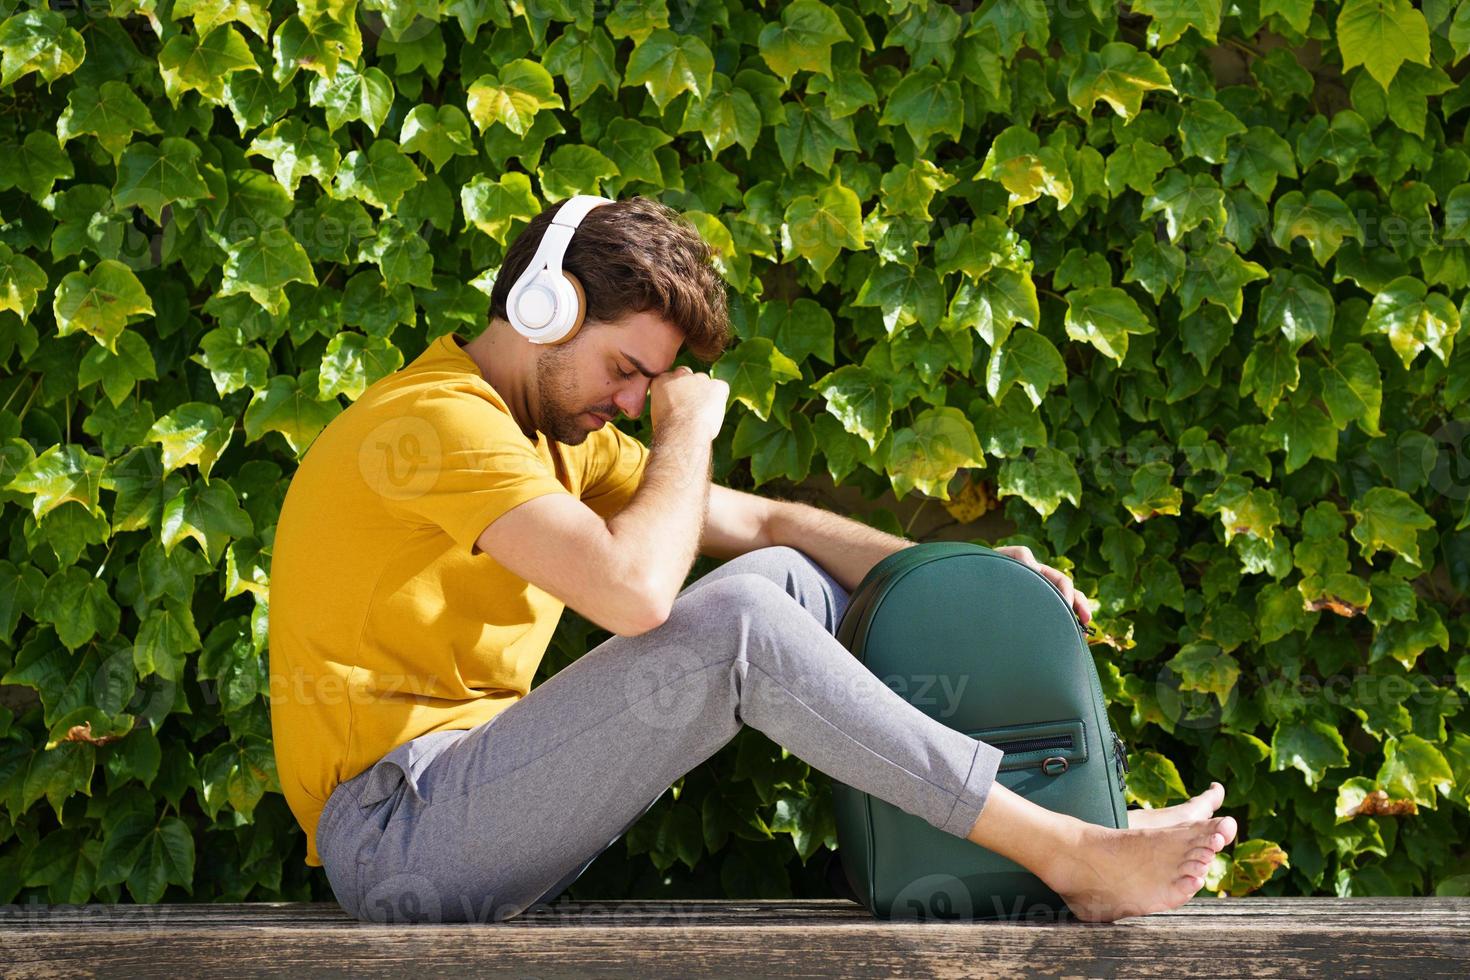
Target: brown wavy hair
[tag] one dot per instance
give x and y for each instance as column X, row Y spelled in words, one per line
column 635, row 255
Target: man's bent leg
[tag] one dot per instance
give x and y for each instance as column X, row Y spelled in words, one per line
column 507, row 811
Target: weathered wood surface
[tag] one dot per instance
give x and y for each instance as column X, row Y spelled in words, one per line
column 1208, row 937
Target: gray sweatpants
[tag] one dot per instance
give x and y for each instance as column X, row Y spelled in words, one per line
column 480, row 824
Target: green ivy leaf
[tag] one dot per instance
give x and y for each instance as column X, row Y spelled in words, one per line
column 860, row 400
column 351, row 362
column 76, row 602
column 669, row 64
column 438, row 133
column 753, row 369
column 1153, row 780
column 1204, row 128
column 262, row 265
column 203, row 63
column 166, row 634
column 574, row 169
column 1414, row 769
column 288, row 406
column 1187, row 202
column 1043, row 481
column 38, row 41
column 810, row 136
column 1104, row 316
column 928, row 453
column 1413, row 318
column 1018, row 162
column 513, row 97
column 194, row 432
column 801, row 329
column 1271, row 369
column 1153, row 492
column 926, row 103
column 1381, row 35
column 1389, row 520
column 58, row 475
column 725, row 116
column 400, row 253
column 110, row 112
column 802, row 40
column 1243, row 509
column 1352, row 388
column 817, row 227
column 775, row 449
column 1257, row 159
column 1309, row 745
column 1171, row 18
column 905, row 295
column 494, row 206
column 1135, row 164
column 1250, row 863
column 1026, row 358
column 379, row 175
column 1120, row 75
column 998, row 299
column 152, row 176
column 631, row 146
column 208, row 513
column 1321, row 218
column 1303, row 430
column 586, row 61
column 1297, row 305
column 232, row 362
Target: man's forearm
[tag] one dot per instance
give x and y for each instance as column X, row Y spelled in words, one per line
column 660, row 528
column 846, row 548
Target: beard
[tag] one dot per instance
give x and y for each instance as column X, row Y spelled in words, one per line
column 556, row 398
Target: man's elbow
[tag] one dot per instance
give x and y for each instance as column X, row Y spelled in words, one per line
column 652, row 612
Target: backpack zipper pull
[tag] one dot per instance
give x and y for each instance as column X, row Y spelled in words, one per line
column 1120, row 755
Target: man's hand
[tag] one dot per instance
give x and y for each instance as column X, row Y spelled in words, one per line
column 1059, row 581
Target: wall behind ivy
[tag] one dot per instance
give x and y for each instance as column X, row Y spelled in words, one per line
column 1172, row 288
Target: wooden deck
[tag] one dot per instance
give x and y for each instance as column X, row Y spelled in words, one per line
column 1208, row 937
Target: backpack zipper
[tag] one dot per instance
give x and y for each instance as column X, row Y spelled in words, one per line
column 1063, row 741
column 1120, row 756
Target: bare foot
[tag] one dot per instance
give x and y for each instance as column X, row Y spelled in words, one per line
column 1196, row 808
column 1112, row 874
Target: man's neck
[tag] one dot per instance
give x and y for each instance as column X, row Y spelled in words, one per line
column 500, row 369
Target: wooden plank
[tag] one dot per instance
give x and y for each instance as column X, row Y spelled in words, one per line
column 1208, row 937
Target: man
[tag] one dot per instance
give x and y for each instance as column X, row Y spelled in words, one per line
column 437, row 528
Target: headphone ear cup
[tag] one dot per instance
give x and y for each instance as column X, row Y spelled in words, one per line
column 577, row 310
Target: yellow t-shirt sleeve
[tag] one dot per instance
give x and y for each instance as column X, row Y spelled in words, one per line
column 459, row 461
column 614, row 472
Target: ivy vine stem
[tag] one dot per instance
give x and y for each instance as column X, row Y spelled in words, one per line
column 12, row 395
column 915, row 515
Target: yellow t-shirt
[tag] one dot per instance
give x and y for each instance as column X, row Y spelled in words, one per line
column 385, row 622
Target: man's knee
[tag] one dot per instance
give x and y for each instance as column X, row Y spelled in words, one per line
column 730, row 595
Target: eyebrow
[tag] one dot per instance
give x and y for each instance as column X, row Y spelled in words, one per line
column 641, row 368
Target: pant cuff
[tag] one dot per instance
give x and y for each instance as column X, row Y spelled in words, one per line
column 976, row 790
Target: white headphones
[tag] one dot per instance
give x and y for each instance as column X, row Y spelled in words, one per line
column 547, row 305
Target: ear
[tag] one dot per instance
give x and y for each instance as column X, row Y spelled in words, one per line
column 581, row 306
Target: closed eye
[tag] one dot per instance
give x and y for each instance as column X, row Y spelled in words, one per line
column 625, row 374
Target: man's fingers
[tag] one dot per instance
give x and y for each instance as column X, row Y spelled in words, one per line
column 1084, row 612
column 1059, row 580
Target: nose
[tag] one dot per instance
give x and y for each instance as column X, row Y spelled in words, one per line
column 630, row 401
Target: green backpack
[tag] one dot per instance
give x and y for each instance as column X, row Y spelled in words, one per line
column 951, row 609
